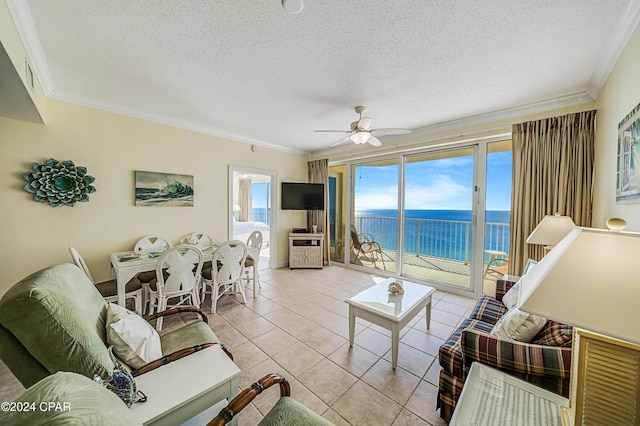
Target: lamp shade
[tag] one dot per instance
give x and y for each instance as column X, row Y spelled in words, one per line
column 591, row 280
column 550, row 230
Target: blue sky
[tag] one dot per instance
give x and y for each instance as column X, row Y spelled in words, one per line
column 444, row 184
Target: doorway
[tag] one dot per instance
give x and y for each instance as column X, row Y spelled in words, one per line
column 251, row 208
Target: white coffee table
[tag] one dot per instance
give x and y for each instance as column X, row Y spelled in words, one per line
column 391, row 311
column 184, row 388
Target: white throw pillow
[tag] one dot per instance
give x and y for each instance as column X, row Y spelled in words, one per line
column 134, row 340
column 510, row 299
column 518, row 325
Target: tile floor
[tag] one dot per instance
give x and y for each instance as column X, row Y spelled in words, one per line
column 297, row 326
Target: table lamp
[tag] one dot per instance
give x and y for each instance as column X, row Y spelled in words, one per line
column 591, row 280
column 550, row 230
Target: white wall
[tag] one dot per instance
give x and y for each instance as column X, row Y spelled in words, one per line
column 620, row 94
column 34, row 235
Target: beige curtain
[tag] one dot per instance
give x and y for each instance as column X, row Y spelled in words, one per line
column 319, row 173
column 552, row 172
column 246, row 207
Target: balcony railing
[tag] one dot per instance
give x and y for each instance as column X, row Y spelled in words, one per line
column 439, row 239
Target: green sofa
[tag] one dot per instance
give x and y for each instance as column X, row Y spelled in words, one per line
column 55, row 320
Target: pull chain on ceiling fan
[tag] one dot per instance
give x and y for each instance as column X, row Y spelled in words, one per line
column 361, row 131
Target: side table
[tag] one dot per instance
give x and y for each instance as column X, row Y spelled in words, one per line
column 185, row 388
column 490, row 398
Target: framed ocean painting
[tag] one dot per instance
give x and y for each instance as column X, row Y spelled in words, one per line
column 163, row 189
column 628, row 160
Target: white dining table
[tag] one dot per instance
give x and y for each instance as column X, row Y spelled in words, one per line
column 127, row 264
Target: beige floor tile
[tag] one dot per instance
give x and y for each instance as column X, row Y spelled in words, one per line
column 407, row 418
column 422, row 341
column 248, row 355
column 323, row 341
column 423, row 403
column 452, row 308
column 255, row 327
column 436, row 328
column 363, row 405
column 335, row 418
column 298, row 358
column 445, row 317
column 327, row 380
column 274, row 341
column 397, row 384
column 249, row 416
column 373, row 341
column 433, row 373
column 411, row 359
column 354, row 359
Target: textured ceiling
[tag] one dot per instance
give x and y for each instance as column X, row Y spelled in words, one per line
column 248, row 70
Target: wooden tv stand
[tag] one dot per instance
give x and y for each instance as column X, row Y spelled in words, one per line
column 305, row 250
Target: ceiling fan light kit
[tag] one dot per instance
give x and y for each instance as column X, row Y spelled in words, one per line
column 360, row 137
column 360, row 131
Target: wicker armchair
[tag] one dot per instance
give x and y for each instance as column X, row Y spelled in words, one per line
column 286, row 412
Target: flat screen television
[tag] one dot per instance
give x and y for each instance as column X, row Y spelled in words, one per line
column 302, row 196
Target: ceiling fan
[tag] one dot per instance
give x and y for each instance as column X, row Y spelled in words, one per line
column 361, row 131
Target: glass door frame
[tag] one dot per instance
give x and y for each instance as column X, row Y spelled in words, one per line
column 478, row 208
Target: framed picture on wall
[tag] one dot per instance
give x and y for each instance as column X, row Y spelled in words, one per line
column 628, row 159
column 163, row 189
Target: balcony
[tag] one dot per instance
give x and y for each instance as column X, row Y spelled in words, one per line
column 438, row 250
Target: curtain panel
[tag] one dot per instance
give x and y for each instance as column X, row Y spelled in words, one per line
column 552, row 172
column 319, row 173
column 246, row 205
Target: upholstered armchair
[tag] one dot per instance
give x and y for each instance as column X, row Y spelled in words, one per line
column 544, row 361
column 55, row 320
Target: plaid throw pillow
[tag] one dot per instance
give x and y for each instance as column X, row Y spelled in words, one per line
column 554, row 334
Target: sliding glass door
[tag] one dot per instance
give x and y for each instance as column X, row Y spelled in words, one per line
column 438, row 212
column 436, row 216
column 374, row 222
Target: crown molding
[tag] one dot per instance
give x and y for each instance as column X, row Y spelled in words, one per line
column 427, row 133
column 163, row 119
column 624, row 30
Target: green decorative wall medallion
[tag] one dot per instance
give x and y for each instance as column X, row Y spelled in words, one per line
column 59, row 184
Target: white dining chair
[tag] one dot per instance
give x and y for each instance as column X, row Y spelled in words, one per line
column 109, row 289
column 225, row 277
column 201, row 240
column 250, row 267
column 178, row 278
column 153, row 243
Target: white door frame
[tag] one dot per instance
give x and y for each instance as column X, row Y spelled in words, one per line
column 273, row 243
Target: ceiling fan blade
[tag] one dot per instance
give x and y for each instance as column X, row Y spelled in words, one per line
column 341, row 141
column 334, row 131
column 385, row 132
column 364, row 123
column 373, row 141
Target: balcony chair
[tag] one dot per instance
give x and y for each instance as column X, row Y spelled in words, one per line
column 55, row 320
column 497, row 265
column 178, row 276
column 366, row 248
column 109, row 289
column 250, row 268
column 226, row 277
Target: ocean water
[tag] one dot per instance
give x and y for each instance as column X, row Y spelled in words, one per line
column 443, row 234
